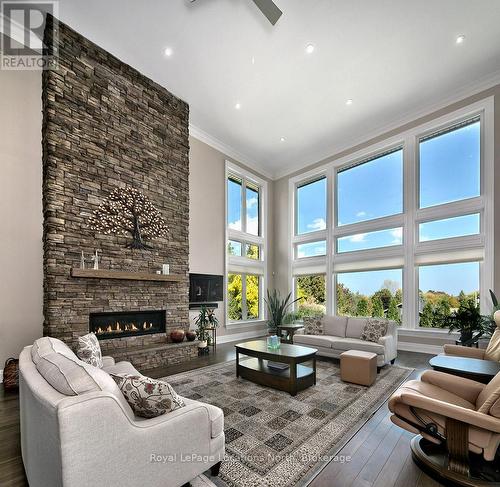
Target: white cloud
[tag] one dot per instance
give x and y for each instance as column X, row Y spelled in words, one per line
column 253, row 225
column 359, row 237
column 397, row 236
column 236, row 225
column 317, row 224
column 251, row 202
column 361, row 213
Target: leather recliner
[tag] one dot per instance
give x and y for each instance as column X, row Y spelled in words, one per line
column 459, row 413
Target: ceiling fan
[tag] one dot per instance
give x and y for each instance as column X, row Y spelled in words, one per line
column 268, row 8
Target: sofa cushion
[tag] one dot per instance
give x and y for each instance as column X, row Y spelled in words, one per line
column 72, row 376
column 89, row 350
column 355, row 327
column 334, row 325
column 374, row 330
column 324, row 341
column 345, row 344
column 148, row 397
column 313, row 325
column 45, row 345
column 493, row 349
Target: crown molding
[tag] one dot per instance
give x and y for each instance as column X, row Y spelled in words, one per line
column 228, row 151
column 461, row 94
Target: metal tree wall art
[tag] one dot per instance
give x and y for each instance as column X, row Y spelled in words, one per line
column 126, row 211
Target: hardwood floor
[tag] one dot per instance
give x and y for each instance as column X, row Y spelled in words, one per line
column 379, row 452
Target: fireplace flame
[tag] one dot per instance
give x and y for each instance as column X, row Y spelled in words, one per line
column 118, row 328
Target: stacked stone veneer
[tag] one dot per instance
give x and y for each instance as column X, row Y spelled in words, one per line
column 105, row 125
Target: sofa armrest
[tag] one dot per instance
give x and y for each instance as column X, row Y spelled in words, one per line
column 459, row 351
column 93, row 427
column 465, row 388
column 446, row 409
column 107, row 361
column 390, row 346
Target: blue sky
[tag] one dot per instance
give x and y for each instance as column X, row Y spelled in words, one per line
column 449, row 171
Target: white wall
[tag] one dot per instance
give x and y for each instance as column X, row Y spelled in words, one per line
column 21, row 282
column 207, row 223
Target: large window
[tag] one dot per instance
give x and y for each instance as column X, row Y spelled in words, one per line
column 312, row 291
column 372, row 189
column 407, row 228
column 442, row 288
column 371, row 293
column 450, row 162
column 246, row 246
column 311, row 206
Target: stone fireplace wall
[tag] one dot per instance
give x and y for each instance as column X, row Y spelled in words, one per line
column 107, row 126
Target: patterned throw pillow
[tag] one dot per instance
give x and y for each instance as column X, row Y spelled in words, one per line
column 313, row 326
column 148, row 397
column 88, row 350
column 375, row 328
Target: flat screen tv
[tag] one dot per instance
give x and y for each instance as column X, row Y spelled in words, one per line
column 205, row 288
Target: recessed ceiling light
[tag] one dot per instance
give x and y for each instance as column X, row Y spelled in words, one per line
column 168, row 51
column 310, row 48
column 349, row 101
column 282, row 139
column 237, row 106
column 253, row 59
column 460, row 39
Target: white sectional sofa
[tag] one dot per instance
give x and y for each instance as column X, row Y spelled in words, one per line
column 341, row 333
column 94, row 438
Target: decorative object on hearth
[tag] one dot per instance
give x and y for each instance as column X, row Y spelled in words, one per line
column 82, row 261
column 148, row 398
column 177, row 336
column 127, row 211
column 205, row 320
column 95, row 260
column 88, row 350
column 190, row 336
column 165, row 270
column 11, row 374
column 278, row 309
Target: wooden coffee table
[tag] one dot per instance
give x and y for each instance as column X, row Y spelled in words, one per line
column 292, row 379
column 470, row 368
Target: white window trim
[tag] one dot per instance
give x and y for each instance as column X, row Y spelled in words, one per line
column 244, row 265
column 412, row 253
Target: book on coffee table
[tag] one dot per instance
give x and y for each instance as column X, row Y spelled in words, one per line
column 277, row 365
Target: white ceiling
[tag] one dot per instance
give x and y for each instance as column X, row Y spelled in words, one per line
column 395, row 59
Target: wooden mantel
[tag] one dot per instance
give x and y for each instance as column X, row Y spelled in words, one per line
column 124, row 275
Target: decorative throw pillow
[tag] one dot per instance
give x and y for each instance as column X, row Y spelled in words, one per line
column 313, row 326
column 148, row 397
column 375, row 328
column 88, row 350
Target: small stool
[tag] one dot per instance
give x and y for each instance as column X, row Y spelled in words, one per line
column 358, row 367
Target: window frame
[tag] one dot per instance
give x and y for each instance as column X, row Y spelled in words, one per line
column 412, row 253
column 241, row 264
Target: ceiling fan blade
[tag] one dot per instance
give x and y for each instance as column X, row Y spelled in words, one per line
column 269, row 9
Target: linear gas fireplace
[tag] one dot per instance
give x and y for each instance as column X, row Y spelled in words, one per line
column 127, row 323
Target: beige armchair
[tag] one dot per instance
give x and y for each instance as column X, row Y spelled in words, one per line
column 458, row 414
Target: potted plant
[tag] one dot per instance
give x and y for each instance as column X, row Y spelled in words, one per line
column 278, row 309
column 467, row 320
column 206, row 319
column 489, row 324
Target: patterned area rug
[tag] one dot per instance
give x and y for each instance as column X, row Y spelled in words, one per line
column 274, row 439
